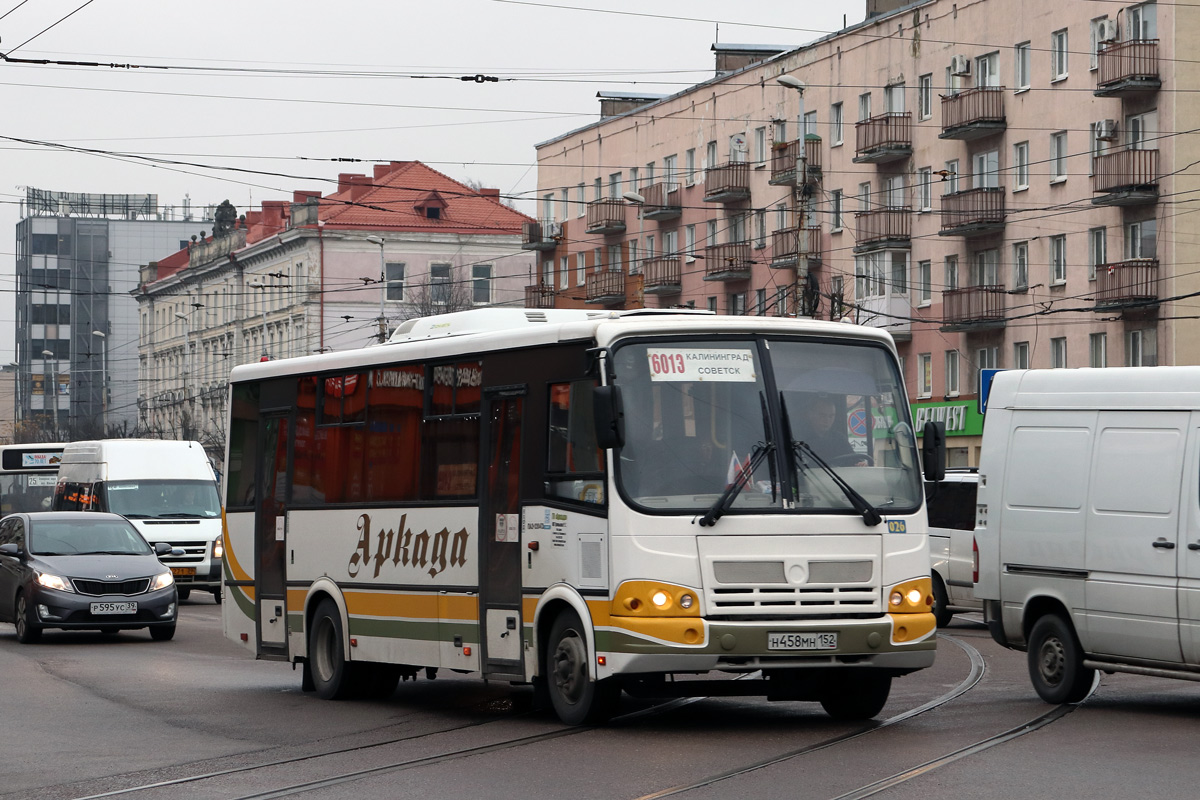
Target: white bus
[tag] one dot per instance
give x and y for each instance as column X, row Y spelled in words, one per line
column 588, row 502
column 28, row 473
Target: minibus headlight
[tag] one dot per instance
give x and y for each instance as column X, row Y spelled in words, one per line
column 911, row 597
column 218, row 548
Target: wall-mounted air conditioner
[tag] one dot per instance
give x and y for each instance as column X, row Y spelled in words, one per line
column 1106, row 130
column 1107, row 31
column 960, row 65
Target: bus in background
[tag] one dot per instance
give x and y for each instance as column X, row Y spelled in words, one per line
column 28, row 473
column 167, row 489
column 589, row 502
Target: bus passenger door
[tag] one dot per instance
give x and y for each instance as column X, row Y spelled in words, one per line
column 500, row 542
column 270, row 537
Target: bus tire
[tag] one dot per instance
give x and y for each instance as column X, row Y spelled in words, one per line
column 377, row 681
column 216, row 593
column 576, row 698
column 941, row 601
column 1056, row 662
column 856, row 695
column 326, row 656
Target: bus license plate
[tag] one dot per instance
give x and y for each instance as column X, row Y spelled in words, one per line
column 802, row 641
column 114, row 608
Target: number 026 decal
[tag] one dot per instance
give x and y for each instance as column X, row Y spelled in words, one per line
column 682, row 364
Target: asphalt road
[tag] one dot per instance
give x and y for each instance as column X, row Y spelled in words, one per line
column 86, row 715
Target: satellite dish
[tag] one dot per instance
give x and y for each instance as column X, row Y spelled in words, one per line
column 738, row 142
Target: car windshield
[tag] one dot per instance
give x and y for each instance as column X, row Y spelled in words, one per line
column 177, row 499
column 696, row 411
column 85, row 537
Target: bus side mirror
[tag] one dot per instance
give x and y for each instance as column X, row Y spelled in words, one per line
column 609, row 416
column 933, row 450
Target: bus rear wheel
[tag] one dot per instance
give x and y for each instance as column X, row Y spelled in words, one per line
column 326, row 656
column 576, row 698
column 855, row 696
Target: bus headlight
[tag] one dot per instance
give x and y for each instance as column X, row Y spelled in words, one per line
column 911, row 597
column 654, row 599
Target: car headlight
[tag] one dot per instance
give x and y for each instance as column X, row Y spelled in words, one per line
column 52, row 581
column 161, row 581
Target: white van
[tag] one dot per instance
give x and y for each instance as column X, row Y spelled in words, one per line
column 950, row 503
column 1088, row 523
column 166, row 489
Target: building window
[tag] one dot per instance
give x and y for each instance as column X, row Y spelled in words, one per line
column 689, row 239
column 1142, row 21
column 1058, row 352
column 925, row 96
column 1141, row 239
column 1097, row 251
column 760, row 302
column 580, row 201
column 689, row 166
column 1058, row 157
column 987, row 70
column 1021, row 266
column 1021, row 61
column 835, row 124
column 760, row 145
column 779, row 130
column 395, row 282
column 924, row 282
column 1058, row 259
column 951, row 373
column 1141, row 348
column 1097, row 349
column 810, row 124
column 580, row 269
column 1021, row 355
column 712, row 304
column 925, row 189
column 951, row 264
column 864, row 196
column 868, row 277
column 1094, row 42
column 899, row 272
column 439, row 282
column 710, row 154
column 735, row 304
column 925, row 375
column 614, row 258
column 864, row 106
column 951, row 180
column 760, row 228
column 1058, row 55
column 985, row 169
column 835, row 208
column 481, row 281
column 1021, row 165
column 985, row 271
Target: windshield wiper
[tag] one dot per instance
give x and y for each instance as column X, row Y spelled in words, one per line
column 138, row 516
column 743, row 477
column 870, row 514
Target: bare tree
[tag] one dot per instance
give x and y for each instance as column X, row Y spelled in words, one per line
column 438, row 296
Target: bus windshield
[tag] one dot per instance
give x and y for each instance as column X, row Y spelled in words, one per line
column 26, row 492
column 167, row 499
column 697, row 412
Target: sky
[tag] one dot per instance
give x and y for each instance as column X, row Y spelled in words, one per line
column 251, row 101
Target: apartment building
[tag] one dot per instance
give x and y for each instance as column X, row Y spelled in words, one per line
column 997, row 183
column 313, row 275
column 77, row 258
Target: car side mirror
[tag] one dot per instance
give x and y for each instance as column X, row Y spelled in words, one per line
column 933, row 450
column 10, row 549
column 609, row 416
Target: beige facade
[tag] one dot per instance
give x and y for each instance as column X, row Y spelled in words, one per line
column 998, row 183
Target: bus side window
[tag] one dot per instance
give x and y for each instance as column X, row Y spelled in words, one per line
column 574, row 463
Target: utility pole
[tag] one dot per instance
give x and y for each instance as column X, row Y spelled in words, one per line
column 103, row 379
column 800, row 200
column 382, row 288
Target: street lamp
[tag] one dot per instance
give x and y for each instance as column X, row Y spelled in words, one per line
column 382, row 287
column 50, row 382
column 640, row 202
column 260, row 285
column 103, row 378
column 187, row 348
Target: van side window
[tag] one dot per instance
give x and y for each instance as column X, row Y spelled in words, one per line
column 952, row 504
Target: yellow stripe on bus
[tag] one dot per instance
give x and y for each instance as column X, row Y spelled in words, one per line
column 412, row 606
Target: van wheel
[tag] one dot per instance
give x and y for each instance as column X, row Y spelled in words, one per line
column 184, row 594
column 577, row 699
column 1056, row 662
column 216, row 593
column 941, row 601
column 855, row 696
column 326, row 657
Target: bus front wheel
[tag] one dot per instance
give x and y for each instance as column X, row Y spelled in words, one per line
column 577, row 699
column 857, row 696
column 326, row 656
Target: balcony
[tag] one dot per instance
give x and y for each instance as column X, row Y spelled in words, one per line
column 606, row 215
column 793, row 166
column 1126, row 178
column 973, row 212
column 727, row 262
column 973, row 114
column 605, row 288
column 539, row 295
column 1126, row 68
column 786, row 252
column 1127, row 284
column 662, row 275
column 973, row 308
column 541, row 235
column 887, row 137
column 883, row 228
column 728, row 183
column 889, row 311
column 663, row 201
